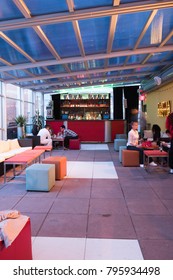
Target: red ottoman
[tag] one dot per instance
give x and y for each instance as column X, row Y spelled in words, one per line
column 74, row 144
column 21, row 247
column 130, row 158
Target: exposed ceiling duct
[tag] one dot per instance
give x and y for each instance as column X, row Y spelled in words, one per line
column 162, row 78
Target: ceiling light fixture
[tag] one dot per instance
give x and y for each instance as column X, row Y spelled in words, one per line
column 157, row 80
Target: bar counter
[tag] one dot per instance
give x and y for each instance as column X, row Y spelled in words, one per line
column 91, row 130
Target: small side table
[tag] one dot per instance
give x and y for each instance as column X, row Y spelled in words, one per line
column 58, row 139
column 153, row 153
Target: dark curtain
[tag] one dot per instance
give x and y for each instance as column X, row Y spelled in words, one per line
column 131, row 94
column 56, row 105
column 118, row 105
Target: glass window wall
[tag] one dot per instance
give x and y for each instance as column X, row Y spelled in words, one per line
column 16, row 101
column 12, row 107
column 27, row 95
column 28, row 112
column 12, row 91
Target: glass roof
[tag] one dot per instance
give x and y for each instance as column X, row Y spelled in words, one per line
column 50, row 45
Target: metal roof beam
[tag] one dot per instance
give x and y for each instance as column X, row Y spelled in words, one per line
column 86, row 80
column 95, row 71
column 26, row 12
column 111, row 35
column 112, row 28
column 76, row 28
column 149, row 21
column 85, row 14
column 160, row 46
column 118, row 82
column 88, row 57
column 15, row 46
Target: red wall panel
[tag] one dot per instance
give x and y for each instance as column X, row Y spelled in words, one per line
column 55, row 125
column 88, row 130
column 117, row 127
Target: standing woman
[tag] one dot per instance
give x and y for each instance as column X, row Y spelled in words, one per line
column 169, row 126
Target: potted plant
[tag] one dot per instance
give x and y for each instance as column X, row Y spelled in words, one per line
column 38, row 122
column 20, row 121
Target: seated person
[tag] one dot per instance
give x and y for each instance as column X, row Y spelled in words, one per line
column 132, row 143
column 156, row 130
column 45, row 136
column 166, row 134
column 67, row 134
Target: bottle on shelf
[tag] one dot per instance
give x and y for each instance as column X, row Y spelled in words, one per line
column 91, row 106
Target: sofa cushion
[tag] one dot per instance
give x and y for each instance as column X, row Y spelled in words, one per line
column 7, row 154
column 2, row 159
column 21, row 150
column 14, row 144
column 4, row 146
column 1, row 148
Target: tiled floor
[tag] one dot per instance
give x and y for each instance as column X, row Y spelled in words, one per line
column 91, row 169
column 101, row 210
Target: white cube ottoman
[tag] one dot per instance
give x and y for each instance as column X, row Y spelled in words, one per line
column 40, row 177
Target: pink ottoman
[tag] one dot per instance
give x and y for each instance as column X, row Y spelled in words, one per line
column 74, row 144
column 44, row 148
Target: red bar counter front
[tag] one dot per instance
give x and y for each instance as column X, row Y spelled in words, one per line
column 90, row 130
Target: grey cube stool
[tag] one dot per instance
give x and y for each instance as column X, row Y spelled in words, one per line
column 120, row 136
column 40, row 177
column 121, row 148
column 118, row 143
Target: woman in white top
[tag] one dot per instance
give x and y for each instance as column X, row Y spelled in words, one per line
column 133, row 143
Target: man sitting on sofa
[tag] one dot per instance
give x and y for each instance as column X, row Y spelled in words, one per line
column 45, row 136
